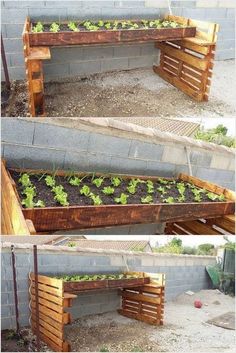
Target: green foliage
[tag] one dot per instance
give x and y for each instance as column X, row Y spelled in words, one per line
column 96, row 199
column 230, row 245
column 188, row 250
column 181, row 188
column 55, row 27
column 104, row 349
column 95, row 277
column 50, row 181
column 162, row 190
column 100, row 23
column 98, row 182
column 73, row 27
column 108, row 190
column 71, row 244
column 123, row 199
column 131, row 189
column 75, row 181
column 60, row 195
column 169, row 199
column 38, row 28
column 213, row 197
column 85, row 190
column 116, row 181
column 206, row 249
column 163, row 181
column 147, row 199
column 150, row 187
column 107, row 25
column 217, row 135
column 24, row 180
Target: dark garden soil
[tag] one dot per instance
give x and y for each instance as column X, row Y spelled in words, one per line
column 44, row 193
column 24, row 342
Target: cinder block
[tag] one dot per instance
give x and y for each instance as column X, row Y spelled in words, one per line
column 17, row 73
column 99, row 162
column 133, row 4
column 111, row 145
column 101, row 261
column 206, row 4
column 184, row 169
column 148, row 49
column 215, row 175
column 156, row 4
column 23, row 4
column 7, row 310
column 98, row 4
column 226, row 44
column 47, row 14
column 85, row 68
column 198, row 14
column 92, row 53
column 161, row 169
column 10, row 15
column 231, row 13
column 227, row 4
column 128, row 165
column 16, row 130
column 66, row 3
column 200, row 159
column 116, row 260
column 225, row 54
column 145, row 229
column 114, row 64
column 56, row 69
column 145, row 150
column 16, row 59
column 57, row 136
column 7, row 323
column 127, row 50
column 66, row 54
column 186, row 4
column 174, row 155
column 5, row 259
column 220, row 161
column 84, row 13
column 12, row 45
column 133, row 260
column 141, row 61
column 77, row 161
column 14, row 30
column 22, row 156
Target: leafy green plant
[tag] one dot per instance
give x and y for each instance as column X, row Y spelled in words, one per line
column 107, row 25
column 162, row 190
column 131, row 189
column 73, row 27
column 212, row 196
column 98, row 182
column 75, row 181
column 39, row 203
column 38, row 28
column 163, row 181
column 169, row 199
column 123, row 199
column 104, row 349
column 108, row 190
column 24, row 180
column 181, row 188
column 96, row 199
column 116, row 181
column 181, row 198
column 85, row 190
column 50, row 181
column 147, row 199
column 150, row 187
column 60, row 195
column 100, row 23
column 55, row 27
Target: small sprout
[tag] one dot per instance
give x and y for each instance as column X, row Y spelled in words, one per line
column 72, row 26
column 197, row 198
column 75, row 181
column 181, row 198
column 28, row 202
column 212, row 196
column 116, row 181
column 163, row 181
column 39, row 203
column 150, row 187
column 85, row 190
column 169, row 200
column 122, row 199
column 38, row 28
column 60, row 195
column 162, row 190
column 181, row 188
column 108, row 190
column 50, row 181
column 54, row 27
column 29, row 190
column 98, row 182
column 107, row 25
column 147, row 199
column 25, row 180
column 221, row 197
column 96, row 199
column 100, row 23
column 131, row 189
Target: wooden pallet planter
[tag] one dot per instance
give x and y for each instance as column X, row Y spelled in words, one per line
column 214, row 226
column 187, row 64
column 147, row 293
column 36, row 49
column 50, row 219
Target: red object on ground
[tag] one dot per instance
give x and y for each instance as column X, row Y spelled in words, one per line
column 198, row 304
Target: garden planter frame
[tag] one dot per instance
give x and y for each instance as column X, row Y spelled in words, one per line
column 36, row 49
column 50, row 219
column 141, row 301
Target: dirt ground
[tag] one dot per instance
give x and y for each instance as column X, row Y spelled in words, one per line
column 138, row 92
column 184, row 330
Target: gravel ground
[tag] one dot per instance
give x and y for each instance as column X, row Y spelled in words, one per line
column 185, row 329
column 137, row 92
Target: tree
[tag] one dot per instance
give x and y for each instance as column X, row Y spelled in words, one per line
column 206, row 249
column 217, row 135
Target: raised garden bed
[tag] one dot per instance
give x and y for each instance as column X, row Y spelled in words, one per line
column 88, row 32
column 153, row 199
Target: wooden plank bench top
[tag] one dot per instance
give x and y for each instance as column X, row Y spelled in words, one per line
column 39, row 53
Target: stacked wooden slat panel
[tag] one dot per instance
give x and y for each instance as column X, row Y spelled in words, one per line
column 145, row 303
column 187, row 64
column 52, row 316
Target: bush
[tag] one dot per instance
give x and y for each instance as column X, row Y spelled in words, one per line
column 206, row 249
column 217, row 135
column 188, row 250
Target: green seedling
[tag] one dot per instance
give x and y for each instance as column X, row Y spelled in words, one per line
column 96, row 199
column 108, row 190
column 147, row 199
column 107, row 25
column 116, row 181
column 221, row 197
column 85, row 190
column 163, row 181
column 181, row 188
column 25, row 180
column 29, row 190
column 28, row 202
column 61, row 198
column 98, row 182
column 131, row 189
column 123, row 199
column 181, row 198
column 73, row 27
column 150, row 187
column 38, row 28
column 75, row 181
column 100, row 23
column 54, row 27
column 169, row 200
column 50, row 181
column 162, row 190
column 39, row 203
column 212, row 196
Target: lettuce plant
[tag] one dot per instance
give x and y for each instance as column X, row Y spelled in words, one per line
column 123, row 199
column 85, row 190
column 96, row 199
column 98, row 182
column 55, row 27
column 116, row 181
column 150, row 187
column 38, row 28
column 169, row 200
column 72, row 26
column 24, row 180
column 147, row 199
column 50, row 181
column 108, row 190
column 75, row 181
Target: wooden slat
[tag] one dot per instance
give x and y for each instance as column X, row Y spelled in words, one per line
column 39, row 53
column 54, row 282
column 49, row 297
column 63, row 318
column 48, row 334
column 141, row 317
column 56, row 308
column 52, row 330
column 227, row 223
column 47, row 289
column 141, row 297
column 50, row 320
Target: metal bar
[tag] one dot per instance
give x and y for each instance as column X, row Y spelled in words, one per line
column 36, row 296
column 4, row 62
column 15, row 289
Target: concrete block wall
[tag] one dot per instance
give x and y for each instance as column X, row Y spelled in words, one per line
column 183, row 272
column 86, row 60
column 106, row 145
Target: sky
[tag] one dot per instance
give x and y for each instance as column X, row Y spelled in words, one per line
column 189, row 240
